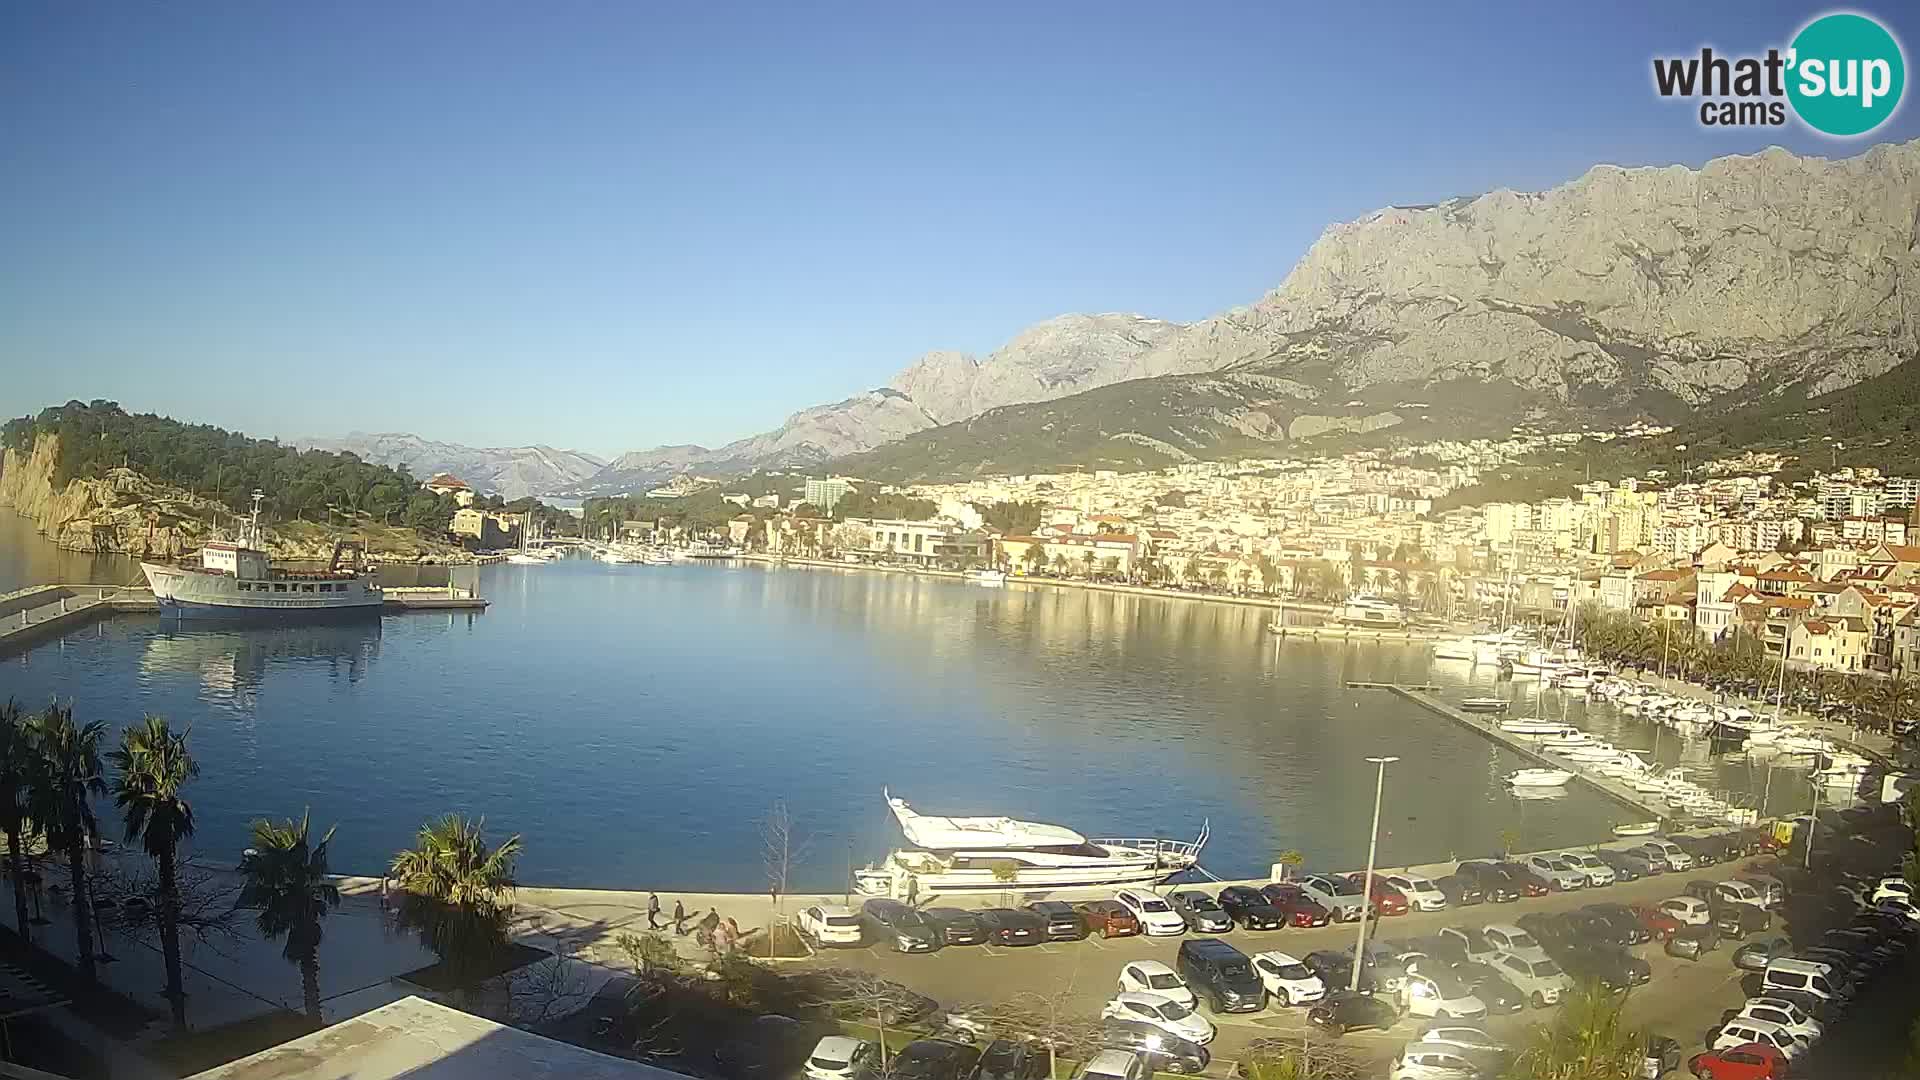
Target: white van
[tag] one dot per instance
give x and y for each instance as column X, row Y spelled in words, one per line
column 1804, row 976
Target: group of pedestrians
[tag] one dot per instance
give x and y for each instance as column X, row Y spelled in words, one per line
column 711, row 931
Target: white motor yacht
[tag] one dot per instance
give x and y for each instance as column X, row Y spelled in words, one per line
column 1002, row 854
column 1539, row 778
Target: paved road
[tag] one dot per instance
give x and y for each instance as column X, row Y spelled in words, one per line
column 1682, row 1001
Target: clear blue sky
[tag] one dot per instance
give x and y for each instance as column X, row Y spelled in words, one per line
column 611, row 225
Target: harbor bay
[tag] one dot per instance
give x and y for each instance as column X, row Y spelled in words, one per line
column 639, row 722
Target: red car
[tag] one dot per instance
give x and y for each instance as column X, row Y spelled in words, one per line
column 1299, row 908
column 1108, row 919
column 1748, row 1061
column 1658, row 923
column 1528, row 882
column 1387, row 900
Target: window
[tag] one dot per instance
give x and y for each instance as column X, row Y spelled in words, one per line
column 306, row 588
column 278, row 587
column 244, row 587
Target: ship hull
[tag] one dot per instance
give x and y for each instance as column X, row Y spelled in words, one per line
column 195, row 594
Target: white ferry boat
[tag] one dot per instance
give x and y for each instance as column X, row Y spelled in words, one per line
column 234, row 579
column 1001, row 854
column 1362, row 609
column 986, row 577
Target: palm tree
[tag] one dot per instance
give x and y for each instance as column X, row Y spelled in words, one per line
column 286, row 882
column 454, row 892
column 154, row 766
column 59, row 798
column 17, row 761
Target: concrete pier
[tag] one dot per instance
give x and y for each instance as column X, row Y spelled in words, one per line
column 1488, row 727
column 38, row 612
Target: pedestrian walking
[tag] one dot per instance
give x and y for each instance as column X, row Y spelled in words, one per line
column 913, row 889
column 653, row 911
column 679, row 918
column 709, row 921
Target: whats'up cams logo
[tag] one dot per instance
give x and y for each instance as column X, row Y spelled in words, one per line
column 1842, row 76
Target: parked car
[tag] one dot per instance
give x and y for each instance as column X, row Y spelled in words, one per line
column 1296, row 908
column 1686, row 910
column 1494, row 883
column 1524, row 879
column 1440, row 996
column 1785, row 1013
column 1339, row 896
column 1382, row 961
column 1108, row 919
column 1344, row 1011
column 1535, row 976
column 1670, row 854
column 1693, row 942
column 1701, row 888
column 1154, row 914
column 1506, row 937
column 1611, row 966
column 766, row 1048
column 1551, row 929
column 1335, row 969
column 1202, row 912
column 1756, row 955
column 1492, row 988
column 1154, row 977
column 1559, row 875
column 1422, row 894
column 899, row 927
column 1741, row 1032
column 1063, row 923
column 1660, row 924
column 1471, row 942
column 1162, row 1052
column 1245, row 905
column 1115, row 1065
column 1162, row 1012
column 956, row 927
column 1012, row 926
column 1705, row 851
column 1738, row 921
column 1626, row 924
column 838, row 1057
column 1735, row 891
column 830, row 924
column 1460, row 891
column 1464, row 1037
column 1417, row 1062
column 1012, row 1059
column 1595, row 928
column 1387, row 900
column 1220, row 975
column 1630, row 864
column 1599, row 874
column 1288, row 981
column 1750, row 1061
column 1892, row 887
column 934, row 1059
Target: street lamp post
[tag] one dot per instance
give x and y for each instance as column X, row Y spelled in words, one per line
column 1373, row 847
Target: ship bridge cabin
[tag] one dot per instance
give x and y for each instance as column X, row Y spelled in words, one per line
column 242, row 562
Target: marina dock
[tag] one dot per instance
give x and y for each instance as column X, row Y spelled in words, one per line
column 1488, row 727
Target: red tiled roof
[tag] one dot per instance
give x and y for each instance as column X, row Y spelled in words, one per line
column 446, row 480
column 1666, row 575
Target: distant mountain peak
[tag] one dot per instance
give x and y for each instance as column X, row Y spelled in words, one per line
column 511, row 472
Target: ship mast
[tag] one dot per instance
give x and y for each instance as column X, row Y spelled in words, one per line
column 252, row 539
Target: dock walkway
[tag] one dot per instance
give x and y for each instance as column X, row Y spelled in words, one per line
column 35, row 613
column 1488, row 727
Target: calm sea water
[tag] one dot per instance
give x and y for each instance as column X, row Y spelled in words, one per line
column 636, row 723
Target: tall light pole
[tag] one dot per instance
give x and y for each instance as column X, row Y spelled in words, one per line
column 1366, row 890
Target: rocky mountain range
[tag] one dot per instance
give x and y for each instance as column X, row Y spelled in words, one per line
column 510, row 472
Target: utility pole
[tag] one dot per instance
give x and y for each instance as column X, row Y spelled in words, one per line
column 1366, row 890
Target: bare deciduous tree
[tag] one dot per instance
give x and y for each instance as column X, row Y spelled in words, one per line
column 867, row 998
column 131, row 891
column 783, row 847
column 1297, row 1057
column 1053, row 1019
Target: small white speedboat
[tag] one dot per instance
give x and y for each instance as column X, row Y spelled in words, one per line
column 1638, row 828
column 1539, row 778
column 1537, row 727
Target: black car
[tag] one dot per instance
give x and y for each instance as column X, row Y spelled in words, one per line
column 1487, row 984
column 1246, row 906
column 1693, row 942
column 767, row 1047
column 1704, row 851
column 1335, row 969
column 1432, row 949
column 1493, row 881
column 899, row 926
column 956, row 927
column 1220, row 975
column 1460, row 891
column 1756, row 955
column 934, row 1059
column 1164, row 1052
column 1627, row 927
column 1343, row 1011
column 1471, row 943
column 1202, row 912
column 1610, row 966
column 1630, row 865
column 1011, row 926
column 1702, row 889
column 1857, row 969
column 1012, row 1059
column 1738, row 920
column 1063, row 923
column 1551, row 929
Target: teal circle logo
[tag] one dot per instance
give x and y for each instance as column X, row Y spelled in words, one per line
column 1847, row 74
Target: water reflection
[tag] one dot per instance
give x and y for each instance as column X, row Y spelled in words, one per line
column 232, row 662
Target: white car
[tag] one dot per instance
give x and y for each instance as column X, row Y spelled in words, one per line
column 1162, row 1012
column 1441, row 996
column 1471, row 941
column 1738, row 1032
column 1288, row 981
column 1469, row 1038
column 1687, row 910
column 1891, row 888
column 1506, row 937
column 1114, row 1065
column 1156, row 916
column 1668, row 852
column 1420, row 1062
column 1557, row 872
column 1598, row 873
column 1739, row 892
column 1154, row 977
column 1535, row 976
column 837, row 1057
column 1785, row 1013
column 830, row 924
column 1339, row 896
column 1421, row 893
